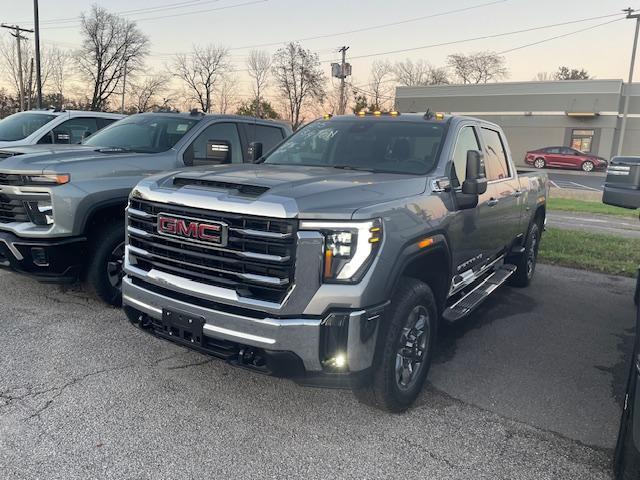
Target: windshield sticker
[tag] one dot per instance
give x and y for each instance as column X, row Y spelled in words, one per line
column 182, row 127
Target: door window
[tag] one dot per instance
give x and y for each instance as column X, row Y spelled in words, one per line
column 268, row 136
column 217, row 132
column 71, row 131
column 103, row 122
column 582, row 140
column 467, row 140
column 496, row 156
column 552, row 150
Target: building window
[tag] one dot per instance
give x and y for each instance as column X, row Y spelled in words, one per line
column 582, row 140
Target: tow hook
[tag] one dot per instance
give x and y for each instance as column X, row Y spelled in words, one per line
column 250, row 357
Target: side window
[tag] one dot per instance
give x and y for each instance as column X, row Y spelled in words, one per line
column 268, row 136
column 103, row 122
column 74, row 130
column 217, row 132
column 467, row 140
column 496, row 156
column 555, row 150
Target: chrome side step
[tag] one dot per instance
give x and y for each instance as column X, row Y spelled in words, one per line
column 479, row 294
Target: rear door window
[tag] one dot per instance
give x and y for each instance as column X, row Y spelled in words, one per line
column 495, row 155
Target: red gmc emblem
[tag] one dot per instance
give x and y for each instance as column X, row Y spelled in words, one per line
column 197, row 230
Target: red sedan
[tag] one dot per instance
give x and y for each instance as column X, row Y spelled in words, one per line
column 565, row 157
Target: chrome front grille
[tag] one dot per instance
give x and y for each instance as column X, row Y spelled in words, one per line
column 12, row 210
column 257, row 261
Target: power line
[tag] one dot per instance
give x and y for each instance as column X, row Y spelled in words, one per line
column 245, row 4
column 548, row 39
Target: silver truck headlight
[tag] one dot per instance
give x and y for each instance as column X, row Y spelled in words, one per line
column 47, row 179
column 349, row 247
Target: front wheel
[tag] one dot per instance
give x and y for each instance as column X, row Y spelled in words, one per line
column 105, row 271
column 404, row 354
column 539, row 163
column 587, row 166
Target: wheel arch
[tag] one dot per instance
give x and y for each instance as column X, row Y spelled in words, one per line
column 432, row 265
column 104, row 212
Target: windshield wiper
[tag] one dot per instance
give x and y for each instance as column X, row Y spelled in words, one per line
column 114, row 150
column 351, row 167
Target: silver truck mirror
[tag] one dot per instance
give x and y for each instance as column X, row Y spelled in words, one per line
column 475, row 182
column 254, row 151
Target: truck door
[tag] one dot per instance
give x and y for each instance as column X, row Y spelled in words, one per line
column 503, row 214
column 470, row 231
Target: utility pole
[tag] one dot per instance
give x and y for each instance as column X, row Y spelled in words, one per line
column 342, row 71
column 625, row 111
column 30, row 83
column 18, row 38
column 124, row 86
column 36, row 26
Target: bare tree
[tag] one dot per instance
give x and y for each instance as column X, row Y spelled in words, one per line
column 258, row 66
column 145, row 94
column 478, row 67
column 59, row 66
column 201, row 70
column 419, row 73
column 379, row 84
column 110, row 45
column 299, row 79
column 227, row 93
column 543, row 77
column 565, row 73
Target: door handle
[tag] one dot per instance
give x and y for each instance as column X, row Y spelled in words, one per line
column 518, row 193
column 492, row 202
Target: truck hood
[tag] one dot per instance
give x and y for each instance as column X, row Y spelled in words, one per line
column 308, row 192
column 56, row 158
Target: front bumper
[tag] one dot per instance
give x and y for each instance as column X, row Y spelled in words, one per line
column 47, row 260
column 301, row 347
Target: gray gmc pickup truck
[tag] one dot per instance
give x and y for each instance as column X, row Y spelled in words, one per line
column 62, row 206
column 335, row 258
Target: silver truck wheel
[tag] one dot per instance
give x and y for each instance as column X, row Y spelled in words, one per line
column 115, row 266
column 104, row 271
column 404, row 350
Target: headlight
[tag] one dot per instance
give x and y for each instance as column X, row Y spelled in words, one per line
column 52, row 179
column 349, row 247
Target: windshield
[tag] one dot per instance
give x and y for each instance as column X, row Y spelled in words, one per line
column 377, row 145
column 21, row 125
column 143, row 133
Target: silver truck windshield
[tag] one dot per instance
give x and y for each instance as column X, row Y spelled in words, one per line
column 21, row 125
column 377, row 145
column 143, row 133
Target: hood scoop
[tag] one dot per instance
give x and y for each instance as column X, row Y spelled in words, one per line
column 243, row 189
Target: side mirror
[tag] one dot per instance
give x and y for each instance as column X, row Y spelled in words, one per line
column 254, row 151
column 219, row 151
column 61, row 136
column 476, row 180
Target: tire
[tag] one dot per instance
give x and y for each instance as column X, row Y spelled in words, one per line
column 587, row 166
column 394, row 386
column 526, row 262
column 539, row 163
column 104, row 273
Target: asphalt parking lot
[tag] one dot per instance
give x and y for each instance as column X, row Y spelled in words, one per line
column 529, row 388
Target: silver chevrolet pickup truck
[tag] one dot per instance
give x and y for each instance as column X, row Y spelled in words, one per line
column 335, row 258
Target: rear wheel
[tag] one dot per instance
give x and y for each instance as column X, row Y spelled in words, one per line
column 405, row 352
column 587, row 166
column 526, row 261
column 539, row 162
column 105, row 271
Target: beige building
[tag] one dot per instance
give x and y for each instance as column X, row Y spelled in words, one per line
column 583, row 114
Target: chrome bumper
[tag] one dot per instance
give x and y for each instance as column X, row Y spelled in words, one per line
column 300, row 336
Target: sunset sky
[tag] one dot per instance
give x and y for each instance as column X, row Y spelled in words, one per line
column 174, row 25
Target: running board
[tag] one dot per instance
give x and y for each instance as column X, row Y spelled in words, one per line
column 479, row 294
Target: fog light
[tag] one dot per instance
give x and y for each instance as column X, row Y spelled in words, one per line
column 39, row 257
column 340, row 361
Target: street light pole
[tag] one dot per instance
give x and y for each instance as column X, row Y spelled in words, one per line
column 625, row 110
column 36, row 27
